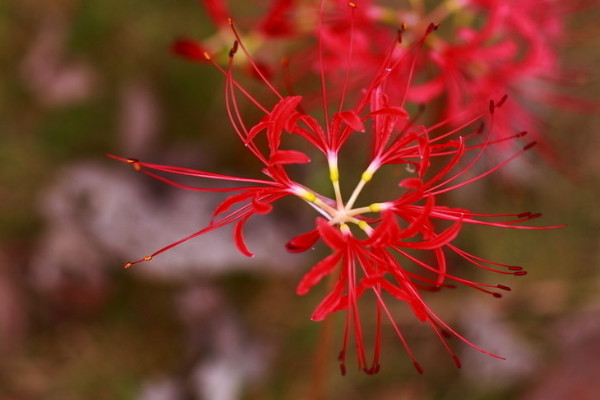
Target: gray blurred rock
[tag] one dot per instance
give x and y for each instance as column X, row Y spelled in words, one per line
column 483, row 325
column 222, row 359
column 96, row 215
column 573, row 372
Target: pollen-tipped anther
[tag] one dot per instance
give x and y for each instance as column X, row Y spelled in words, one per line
column 308, row 196
column 378, row 207
column 334, row 174
column 135, row 163
column 366, row 176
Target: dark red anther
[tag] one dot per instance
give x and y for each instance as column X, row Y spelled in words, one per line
column 234, row 48
column 520, row 273
column 457, row 361
column 515, row 268
column 400, row 31
column 508, row 289
column 303, row 242
column 502, row 100
column 432, row 27
column 529, row 145
column 418, row 367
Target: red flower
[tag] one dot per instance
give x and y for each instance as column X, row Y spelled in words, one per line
column 488, row 48
column 280, row 21
column 377, row 247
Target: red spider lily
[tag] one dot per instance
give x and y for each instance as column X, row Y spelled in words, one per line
column 376, row 247
column 487, row 48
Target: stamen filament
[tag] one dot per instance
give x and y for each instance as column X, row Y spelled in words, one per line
column 334, row 176
column 365, row 177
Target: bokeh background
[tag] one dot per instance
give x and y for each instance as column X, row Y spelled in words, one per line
column 80, row 78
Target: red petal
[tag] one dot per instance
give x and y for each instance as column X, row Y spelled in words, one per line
column 217, row 10
column 411, row 183
column 231, row 200
column 302, row 242
column 387, row 232
column 352, row 119
column 277, row 21
column 256, row 129
column 278, row 117
column 391, row 111
column 288, row 157
column 261, row 207
column 190, row 49
column 442, row 268
column 408, row 296
column 422, row 219
column 329, row 304
column 317, row 272
column 438, row 240
column 238, row 237
column 330, row 235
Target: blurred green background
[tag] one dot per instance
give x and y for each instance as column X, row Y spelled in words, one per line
column 79, row 78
